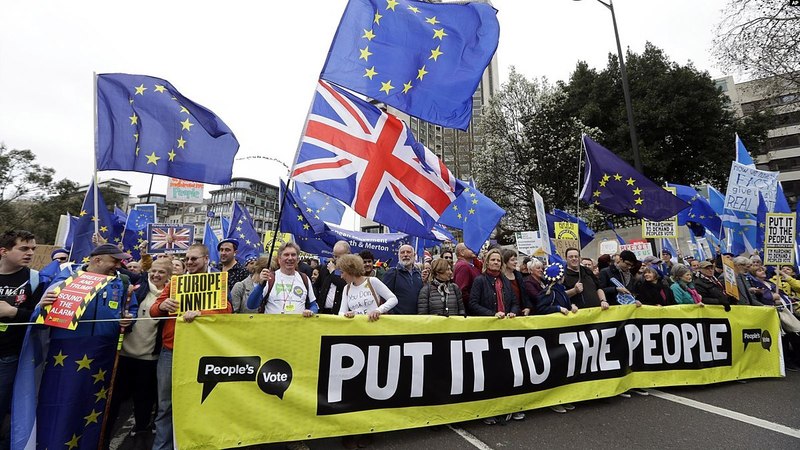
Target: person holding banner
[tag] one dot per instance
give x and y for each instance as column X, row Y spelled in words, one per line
column 748, row 295
column 241, row 290
column 683, row 286
column 464, row 271
column 363, row 295
column 583, row 288
column 287, row 291
column 405, row 280
column 621, row 272
column 440, row 296
column 492, row 294
column 164, row 306
column 710, row 288
column 652, row 290
column 533, row 284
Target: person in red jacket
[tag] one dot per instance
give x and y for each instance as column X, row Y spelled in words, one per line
column 196, row 262
column 464, row 271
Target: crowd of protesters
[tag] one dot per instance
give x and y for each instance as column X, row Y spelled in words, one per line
column 457, row 282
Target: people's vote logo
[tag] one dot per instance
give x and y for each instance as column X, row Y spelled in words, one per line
column 757, row 335
column 273, row 378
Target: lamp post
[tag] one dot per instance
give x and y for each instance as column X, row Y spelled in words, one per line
column 625, row 89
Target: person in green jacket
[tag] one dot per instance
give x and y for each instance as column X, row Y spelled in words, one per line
column 683, row 287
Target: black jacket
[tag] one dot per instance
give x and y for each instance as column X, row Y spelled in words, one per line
column 609, row 288
column 651, row 293
column 483, row 298
column 712, row 293
column 332, row 281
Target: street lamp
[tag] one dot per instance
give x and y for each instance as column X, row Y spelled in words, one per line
column 625, row 89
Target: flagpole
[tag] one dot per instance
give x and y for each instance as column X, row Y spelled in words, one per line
column 289, row 180
column 96, row 145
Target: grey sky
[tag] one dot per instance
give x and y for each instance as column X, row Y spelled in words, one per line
column 255, row 63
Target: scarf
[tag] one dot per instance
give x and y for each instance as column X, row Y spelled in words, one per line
column 498, row 288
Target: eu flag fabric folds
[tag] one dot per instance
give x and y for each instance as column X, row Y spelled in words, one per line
column 298, row 218
column 615, row 187
column 324, row 207
column 61, row 391
column 243, row 230
column 211, row 241
column 145, row 125
column 699, row 210
column 369, row 159
column 761, row 219
column 424, row 59
column 136, row 230
column 474, row 213
column 84, row 228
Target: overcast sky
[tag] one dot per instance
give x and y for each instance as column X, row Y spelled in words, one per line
column 255, row 64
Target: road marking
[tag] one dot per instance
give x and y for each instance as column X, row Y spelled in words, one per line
column 117, row 440
column 793, row 432
column 469, row 437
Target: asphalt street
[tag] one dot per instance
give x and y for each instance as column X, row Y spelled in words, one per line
column 759, row 414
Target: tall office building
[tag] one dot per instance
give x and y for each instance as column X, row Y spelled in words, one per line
column 781, row 152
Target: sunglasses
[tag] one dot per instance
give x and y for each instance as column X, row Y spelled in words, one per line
column 194, row 258
column 448, row 257
column 62, row 259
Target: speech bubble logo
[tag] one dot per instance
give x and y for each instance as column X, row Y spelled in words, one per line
column 274, row 377
column 766, row 340
column 751, row 335
column 222, row 369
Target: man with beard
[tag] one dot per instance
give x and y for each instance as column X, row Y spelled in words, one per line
column 405, row 281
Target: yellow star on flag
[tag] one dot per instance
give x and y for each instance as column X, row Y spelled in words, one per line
column 136, row 137
column 435, row 53
column 134, row 119
column 92, row 417
column 413, row 9
column 634, row 210
column 59, row 359
column 104, row 228
column 370, row 72
column 638, row 201
column 617, row 177
column 407, row 87
column 137, row 150
column 390, row 4
column 365, row 53
column 368, row 34
column 160, row 88
column 421, row 72
column 140, row 89
column 181, row 142
column 602, row 183
column 471, row 211
column 171, row 155
column 630, row 181
column 606, row 177
column 99, row 376
column 378, row 17
column 72, row 443
column 431, row 20
column 386, row 87
column 83, row 213
column 84, row 363
column 637, row 191
column 102, row 394
column 184, row 110
column 153, row 159
column 596, row 193
column 186, row 125
column 439, row 34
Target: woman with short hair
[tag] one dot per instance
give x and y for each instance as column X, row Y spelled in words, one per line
column 440, row 296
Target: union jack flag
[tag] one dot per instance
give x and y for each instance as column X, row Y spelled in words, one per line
column 369, row 159
column 164, row 238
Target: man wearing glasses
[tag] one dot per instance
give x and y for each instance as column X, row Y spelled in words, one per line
column 196, row 262
column 60, row 254
column 621, row 271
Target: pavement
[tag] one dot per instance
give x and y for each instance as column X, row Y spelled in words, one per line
column 762, row 413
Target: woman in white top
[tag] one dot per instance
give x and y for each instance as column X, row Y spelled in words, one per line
column 363, row 295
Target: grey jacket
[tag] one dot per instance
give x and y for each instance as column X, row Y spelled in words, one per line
column 430, row 300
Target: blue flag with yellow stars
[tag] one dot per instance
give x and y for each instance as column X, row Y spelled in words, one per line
column 61, row 390
column 82, row 244
column 136, row 230
column 211, row 241
column 474, row 213
column 699, row 210
column 297, row 217
column 425, row 59
column 120, row 218
column 325, row 207
column 243, row 230
column 145, row 125
column 614, row 187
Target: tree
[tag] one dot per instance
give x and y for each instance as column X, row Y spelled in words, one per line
column 20, row 177
column 685, row 125
column 761, row 38
column 531, row 143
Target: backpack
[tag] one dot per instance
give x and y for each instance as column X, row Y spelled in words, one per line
column 263, row 306
column 377, row 298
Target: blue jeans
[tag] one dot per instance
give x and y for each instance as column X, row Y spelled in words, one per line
column 8, row 371
column 163, row 439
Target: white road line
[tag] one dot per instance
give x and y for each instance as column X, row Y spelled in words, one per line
column 469, row 437
column 793, row 432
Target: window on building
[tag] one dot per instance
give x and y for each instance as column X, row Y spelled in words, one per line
column 781, row 142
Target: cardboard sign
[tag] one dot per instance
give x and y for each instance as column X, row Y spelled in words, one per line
column 565, row 230
column 563, row 244
column 199, row 291
column 663, row 229
column 641, row 249
column 184, row 191
column 779, row 241
column 169, row 237
column 74, row 294
column 41, row 256
column 730, row 276
column 609, row 247
column 744, row 185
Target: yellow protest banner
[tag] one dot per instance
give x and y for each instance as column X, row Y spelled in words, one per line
column 330, row 376
column 280, row 240
column 199, row 291
column 565, row 230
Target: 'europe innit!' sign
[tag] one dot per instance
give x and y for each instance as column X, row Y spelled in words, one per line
column 200, row 291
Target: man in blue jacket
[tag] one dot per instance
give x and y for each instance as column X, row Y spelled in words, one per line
column 405, row 280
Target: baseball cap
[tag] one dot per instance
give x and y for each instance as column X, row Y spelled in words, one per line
column 112, row 250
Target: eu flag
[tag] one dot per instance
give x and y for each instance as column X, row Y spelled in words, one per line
column 424, row 59
column 120, row 218
column 136, row 230
column 243, row 230
column 84, row 228
column 297, row 217
column 326, row 208
column 145, row 125
column 761, row 219
column 211, row 241
column 699, row 210
column 615, row 187
column 474, row 213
